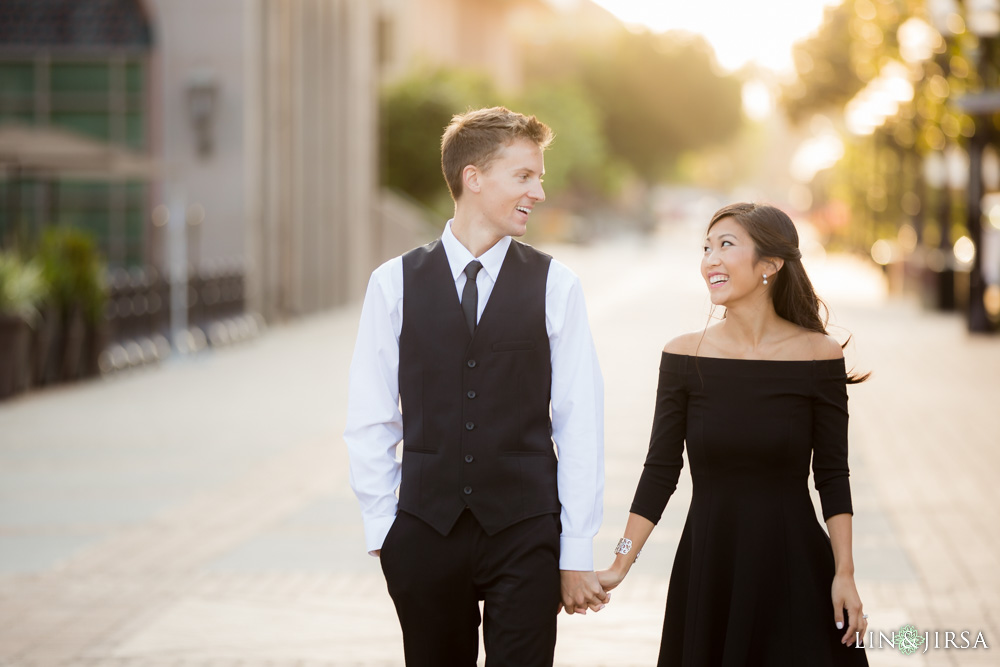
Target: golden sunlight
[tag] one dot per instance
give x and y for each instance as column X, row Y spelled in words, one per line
column 740, row 32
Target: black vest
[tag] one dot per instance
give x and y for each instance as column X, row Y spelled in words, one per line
column 476, row 426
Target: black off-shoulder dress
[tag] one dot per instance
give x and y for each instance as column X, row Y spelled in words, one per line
column 751, row 580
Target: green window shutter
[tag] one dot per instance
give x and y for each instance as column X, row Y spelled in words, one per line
column 80, row 78
column 95, row 125
column 17, row 78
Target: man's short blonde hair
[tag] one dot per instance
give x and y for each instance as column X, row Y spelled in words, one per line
column 475, row 138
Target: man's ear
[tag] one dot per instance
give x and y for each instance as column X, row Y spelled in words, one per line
column 470, row 178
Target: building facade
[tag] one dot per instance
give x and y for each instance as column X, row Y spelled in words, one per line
column 263, row 114
column 485, row 35
column 289, row 182
column 83, row 67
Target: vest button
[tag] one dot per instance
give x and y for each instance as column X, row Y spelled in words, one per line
column 470, row 394
column 469, row 426
column 469, row 458
column 471, row 363
column 467, row 490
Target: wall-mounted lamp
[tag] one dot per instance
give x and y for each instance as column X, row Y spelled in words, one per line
column 202, row 99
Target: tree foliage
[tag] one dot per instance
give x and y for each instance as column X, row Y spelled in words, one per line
column 417, row 108
column 825, row 74
column 630, row 104
column 881, row 178
column 856, row 41
column 658, row 95
column 415, row 111
column 579, row 161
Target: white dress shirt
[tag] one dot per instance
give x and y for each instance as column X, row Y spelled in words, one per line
column 375, row 423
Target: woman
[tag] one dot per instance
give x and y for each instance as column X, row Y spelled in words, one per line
column 755, row 581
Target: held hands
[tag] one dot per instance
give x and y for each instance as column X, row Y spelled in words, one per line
column 845, row 596
column 581, row 590
column 610, row 578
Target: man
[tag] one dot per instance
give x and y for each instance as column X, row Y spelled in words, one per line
column 464, row 347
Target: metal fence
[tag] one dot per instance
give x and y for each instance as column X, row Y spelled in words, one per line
column 137, row 315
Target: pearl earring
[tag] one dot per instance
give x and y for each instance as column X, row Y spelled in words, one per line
column 765, row 278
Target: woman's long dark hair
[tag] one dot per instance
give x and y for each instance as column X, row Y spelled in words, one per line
column 774, row 237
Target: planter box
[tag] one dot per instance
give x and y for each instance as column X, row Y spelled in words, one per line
column 15, row 337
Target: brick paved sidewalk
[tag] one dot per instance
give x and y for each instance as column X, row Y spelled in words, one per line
column 199, row 514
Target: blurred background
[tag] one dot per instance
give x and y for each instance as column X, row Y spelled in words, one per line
column 193, row 195
column 178, row 175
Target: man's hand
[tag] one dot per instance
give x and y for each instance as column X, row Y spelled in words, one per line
column 581, row 590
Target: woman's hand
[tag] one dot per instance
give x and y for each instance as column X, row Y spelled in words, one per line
column 845, row 596
column 637, row 531
column 610, row 578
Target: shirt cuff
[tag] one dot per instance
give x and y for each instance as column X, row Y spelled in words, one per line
column 376, row 529
column 576, row 553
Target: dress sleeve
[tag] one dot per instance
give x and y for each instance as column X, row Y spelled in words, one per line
column 664, row 459
column 830, row 470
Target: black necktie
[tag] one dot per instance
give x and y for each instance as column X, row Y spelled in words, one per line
column 470, row 295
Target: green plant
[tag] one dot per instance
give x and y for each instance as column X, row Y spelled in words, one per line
column 579, row 159
column 74, row 271
column 22, row 287
column 414, row 112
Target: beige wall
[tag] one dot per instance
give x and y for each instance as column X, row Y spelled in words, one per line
column 292, row 184
column 317, row 229
column 189, row 35
column 480, row 34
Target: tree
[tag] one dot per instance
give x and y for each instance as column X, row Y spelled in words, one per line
column 415, row 110
column 631, row 104
column 658, row 95
column 826, row 72
column 579, row 162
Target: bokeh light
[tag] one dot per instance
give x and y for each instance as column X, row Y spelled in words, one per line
column 161, row 215
column 907, row 237
column 991, row 299
column 994, row 215
column 965, row 250
column 882, row 252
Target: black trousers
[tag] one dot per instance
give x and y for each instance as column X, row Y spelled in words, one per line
column 436, row 583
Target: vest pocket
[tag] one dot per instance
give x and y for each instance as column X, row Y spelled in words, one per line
column 411, row 492
column 434, row 407
column 514, row 345
column 539, row 485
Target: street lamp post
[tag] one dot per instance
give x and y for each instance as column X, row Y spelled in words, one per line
column 936, row 177
column 978, row 321
column 922, row 41
column 983, row 20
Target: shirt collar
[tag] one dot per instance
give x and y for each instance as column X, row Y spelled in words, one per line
column 459, row 256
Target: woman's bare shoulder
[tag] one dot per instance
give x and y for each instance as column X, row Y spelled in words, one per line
column 823, row 346
column 686, row 344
